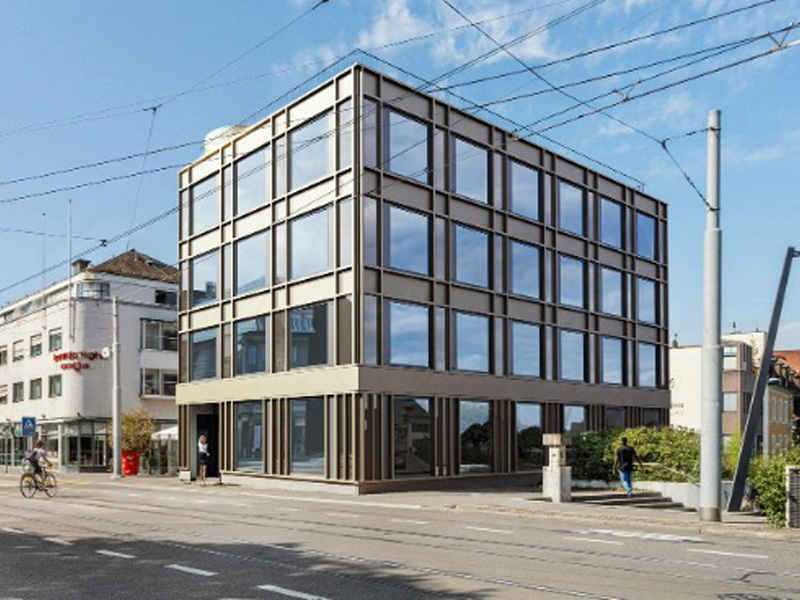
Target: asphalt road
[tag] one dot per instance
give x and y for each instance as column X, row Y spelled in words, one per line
column 133, row 540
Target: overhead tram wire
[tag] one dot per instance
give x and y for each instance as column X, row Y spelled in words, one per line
column 145, row 154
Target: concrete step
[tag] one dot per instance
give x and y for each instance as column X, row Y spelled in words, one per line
column 635, row 499
column 578, row 496
column 652, row 500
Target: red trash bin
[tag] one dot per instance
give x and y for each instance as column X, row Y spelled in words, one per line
column 130, row 463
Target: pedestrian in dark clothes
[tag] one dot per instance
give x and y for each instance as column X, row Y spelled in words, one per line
column 623, row 461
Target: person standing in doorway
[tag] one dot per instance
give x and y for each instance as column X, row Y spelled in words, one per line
column 202, row 458
column 623, row 461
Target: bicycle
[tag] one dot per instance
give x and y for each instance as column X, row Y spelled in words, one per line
column 30, row 483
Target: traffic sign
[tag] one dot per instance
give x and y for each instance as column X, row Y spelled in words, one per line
column 28, row 426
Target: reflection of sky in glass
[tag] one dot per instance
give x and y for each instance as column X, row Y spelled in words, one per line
column 610, row 223
column 529, row 414
column 205, row 208
column 309, row 244
column 612, row 360
column 252, row 263
column 574, row 419
column 472, row 256
column 473, row 413
column 524, row 270
column 472, row 171
column 571, row 292
column 408, row 240
column 611, row 291
column 647, row 365
column 645, row 236
column 252, row 181
column 309, row 146
column 525, row 349
column 408, row 147
column 570, row 208
column 524, row 190
column 472, row 343
column 205, row 278
column 647, row 300
column 408, row 334
column 571, row 355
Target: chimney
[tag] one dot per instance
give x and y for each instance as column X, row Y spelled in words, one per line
column 79, row 265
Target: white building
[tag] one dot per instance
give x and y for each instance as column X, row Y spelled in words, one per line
column 55, row 358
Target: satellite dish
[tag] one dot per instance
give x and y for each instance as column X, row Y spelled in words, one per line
column 106, row 352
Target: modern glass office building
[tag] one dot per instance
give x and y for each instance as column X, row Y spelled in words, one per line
column 380, row 290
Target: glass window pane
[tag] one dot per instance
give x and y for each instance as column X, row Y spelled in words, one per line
column 475, row 429
column 730, row 402
column 440, row 344
column 252, row 342
column 249, row 436
column 308, row 243
column 571, row 281
column 612, row 360
column 647, row 365
column 407, row 246
column 369, row 132
column 645, row 235
column 408, row 334
column 370, row 234
column 651, row 417
column 345, row 233
column 524, row 190
column 280, row 166
column 525, row 266
column 571, row 357
column 252, row 263
column 310, row 152
column 280, row 253
column 310, row 339
column 574, row 419
column 525, row 349
column 530, row 449
column 471, row 342
column 203, row 354
column 345, row 117
column 616, row 418
column 205, row 276
column 570, row 208
column 252, row 180
column 610, row 223
column 370, row 330
column 646, row 295
column 439, row 161
column 413, row 452
column 472, row 256
column 308, row 436
column 227, row 193
column 611, row 291
column 408, row 147
column 205, row 207
column 471, row 168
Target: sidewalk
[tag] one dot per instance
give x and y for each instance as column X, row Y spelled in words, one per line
column 511, row 501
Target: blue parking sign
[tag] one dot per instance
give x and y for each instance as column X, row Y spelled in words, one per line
column 28, row 426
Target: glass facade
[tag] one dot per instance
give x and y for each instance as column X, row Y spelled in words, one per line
column 611, row 291
column 252, row 263
column 647, row 365
column 570, row 208
column 475, row 430
column 204, row 204
column 574, row 419
column 525, row 269
column 310, row 157
column 612, row 353
column 407, row 235
column 309, row 244
column 646, row 297
column 645, row 235
column 471, row 342
column 413, row 447
column 530, row 449
column 523, row 190
column 308, row 437
column 572, row 346
column 252, row 344
column 203, row 353
column 471, row 256
column 611, row 222
column 205, row 278
column 252, row 180
column 310, row 339
column 572, row 273
column 407, row 147
column 470, row 166
column 408, row 334
column 616, row 418
column 249, row 436
column 525, row 349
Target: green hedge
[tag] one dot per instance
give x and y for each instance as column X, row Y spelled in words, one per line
column 768, row 478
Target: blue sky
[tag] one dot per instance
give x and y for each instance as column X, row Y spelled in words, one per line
column 61, row 63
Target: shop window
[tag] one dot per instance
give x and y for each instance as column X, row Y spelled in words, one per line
column 249, row 436
column 612, row 353
column 413, row 448
column 525, row 349
column 310, row 152
column 204, row 204
column 472, row 342
column 475, row 431
column 252, row 263
column 611, row 222
column 571, row 208
column 252, row 343
column 471, row 256
column 309, row 245
column 530, row 449
column 308, row 437
column 408, row 334
column 310, row 335
column 407, row 147
column 203, row 354
column 525, row 269
column 253, row 180
column 407, row 240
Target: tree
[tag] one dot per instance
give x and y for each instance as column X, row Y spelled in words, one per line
column 138, row 428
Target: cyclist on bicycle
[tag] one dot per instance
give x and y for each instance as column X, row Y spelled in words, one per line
column 36, row 457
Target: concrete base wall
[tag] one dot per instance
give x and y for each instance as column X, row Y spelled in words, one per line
column 687, row 494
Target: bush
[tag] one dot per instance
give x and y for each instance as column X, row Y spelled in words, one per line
column 768, row 478
column 730, row 455
column 138, row 428
column 588, row 455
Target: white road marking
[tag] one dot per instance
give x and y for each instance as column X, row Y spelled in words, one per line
column 583, row 539
column 342, row 514
column 11, row 530
column 134, row 495
column 488, row 530
column 58, row 541
column 201, row 502
column 114, row 554
column 721, row 553
column 332, row 501
column 191, row 570
column 658, row 537
column 410, row 521
column 290, row 593
column 284, row 509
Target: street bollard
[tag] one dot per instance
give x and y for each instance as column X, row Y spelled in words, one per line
column 557, row 476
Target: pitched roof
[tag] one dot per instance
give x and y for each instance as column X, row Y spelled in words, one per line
column 135, row 264
column 790, row 357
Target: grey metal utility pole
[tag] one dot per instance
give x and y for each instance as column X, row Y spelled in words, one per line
column 754, row 411
column 710, row 399
column 116, row 395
